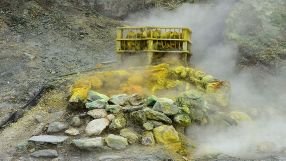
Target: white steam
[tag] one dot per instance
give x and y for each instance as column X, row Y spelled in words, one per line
column 257, row 93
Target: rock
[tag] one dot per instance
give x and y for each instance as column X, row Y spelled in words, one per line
column 135, row 100
column 166, row 106
column 97, row 113
column 156, row 123
column 48, row 139
column 95, row 127
column 168, row 136
column 39, row 118
column 97, row 104
column 139, row 117
column 132, row 108
column 220, row 120
column 89, row 143
column 48, row 153
column 116, row 142
column 195, row 103
column 56, row 127
column 239, row 116
column 110, row 117
column 182, row 119
column 72, row 131
column 119, row 99
column 148, row 138
column 109, row 157
column 131, row 136
column 155, row 115
column 151, row 100
column 113, row 108
column 148, row 125
column 76, row 121
column 23, row 146
column 118, row 122
column 93, row 96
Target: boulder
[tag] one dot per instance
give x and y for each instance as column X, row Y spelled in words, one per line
column 139, row 117
column 48, row 139
column 131, row 136
column 119, row 99
column 182, row 119
column 113, row 108
column 97, row 104
column 93, row 96
column 168, row 136
column 155, row 115
column 95, row 127
column 72, row 131
column 75, row 121
column 166, row 106
column 118, row 122
column 56, row 127
column 135, row 100
column 148, row 138
column 116, row 142
column 97, row 113
column 89, row 143
column 47, row 153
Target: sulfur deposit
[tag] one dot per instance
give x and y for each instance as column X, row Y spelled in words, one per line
column 161, row 80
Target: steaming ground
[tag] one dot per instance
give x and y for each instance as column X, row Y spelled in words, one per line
column 254, row 91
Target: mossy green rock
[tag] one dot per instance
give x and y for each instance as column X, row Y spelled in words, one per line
column 166, row 106
column 118, row 122
column 148, row 138
column 116, row 142
column 113, row 108
column 139, row 116
column 131, row 135
column 151, row 100
column 97, row 104
column 92, row 96
column 182, row 119
column 155, row 115
column 148, row 125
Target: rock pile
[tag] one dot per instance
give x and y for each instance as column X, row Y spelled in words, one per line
column 121, row 120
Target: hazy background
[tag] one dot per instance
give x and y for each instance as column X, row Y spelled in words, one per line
column 260, row 94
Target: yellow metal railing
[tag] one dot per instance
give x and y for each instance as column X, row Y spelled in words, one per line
column 153, row 39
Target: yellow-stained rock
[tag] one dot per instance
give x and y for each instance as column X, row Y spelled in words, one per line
column 168, row 136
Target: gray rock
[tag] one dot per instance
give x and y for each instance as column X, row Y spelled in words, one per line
column 109, row 157
column 72, row 131
column 132, row 108
column 139, row 117
column 119, row 99
column 96, row 126
column 48, row 153
column 92, row 96
column 113, row 108
column 48, row 139
column 155, row 115
column 116, row 142
column 56, row 127
column 135, row 100
column 148, row 125
column 148, row 138
column 110, row 117
column 76, row 121
column 131, row 136
column 89, row 143
column 97, row 113
column 97, row 104
column 167, row 106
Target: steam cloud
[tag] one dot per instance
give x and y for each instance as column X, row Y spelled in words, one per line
column 257, row 93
